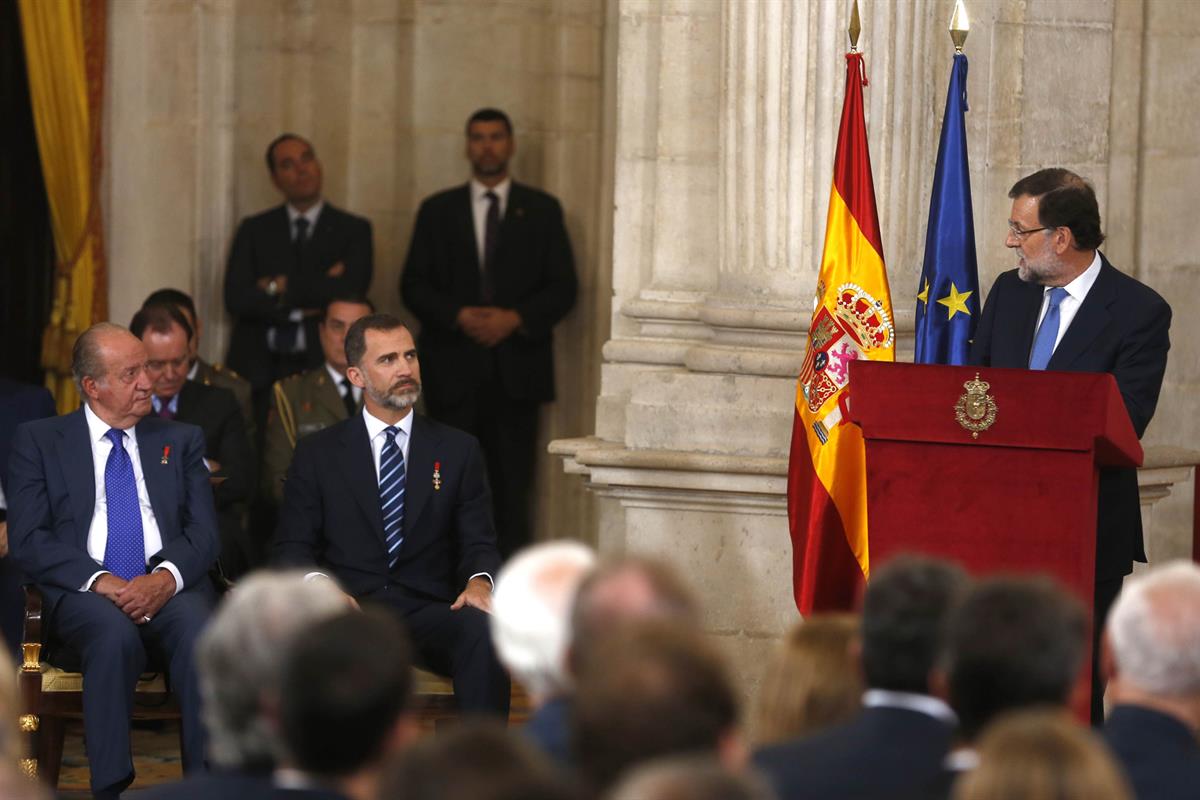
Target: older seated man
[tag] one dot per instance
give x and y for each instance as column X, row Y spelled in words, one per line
column 111, row 515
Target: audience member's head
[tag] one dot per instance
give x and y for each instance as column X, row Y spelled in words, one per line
column 239, row 660
column 623, row 591
column 346, row 696
column 475, row 760
column 905, row 608
column 295, row 170
column 109, row 367
column 531, row 610
column 165, row 332
column 690, row 778
column 813, row 681
column 336, row 318
column 651, row 689
column 1013, row 643
column 1042, row 755
column 186, row 306
column 1154, row 637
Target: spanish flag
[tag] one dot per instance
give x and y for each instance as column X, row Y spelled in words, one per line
column 852, row 319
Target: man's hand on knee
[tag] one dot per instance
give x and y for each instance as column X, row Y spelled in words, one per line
column 107, row 585
column 478, row 594
column 145, row 595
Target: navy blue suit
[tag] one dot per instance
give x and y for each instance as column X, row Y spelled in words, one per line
column 331, row 520
column 1158, row 752
column 51, row 506
column 19, row 403
column 882, row 753
column 1121, row 328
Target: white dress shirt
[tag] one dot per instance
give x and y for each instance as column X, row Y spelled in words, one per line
column 910, row 701
column 97, row 540
column 479, row 209
column 337, row 378
column 1077, row 290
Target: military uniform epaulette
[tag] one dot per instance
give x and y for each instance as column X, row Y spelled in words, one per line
column 221, row 368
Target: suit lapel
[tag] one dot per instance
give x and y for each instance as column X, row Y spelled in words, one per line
column 422, row 453
column 1027, row 319
column 466, row 230
column 1091, row 318
column 152, row 445
column 186, row 409
column 358, row 465
column 75, row 458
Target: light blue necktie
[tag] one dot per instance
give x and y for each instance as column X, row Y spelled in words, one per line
column 1043, row 343
column 125, row 552
column 391, row 494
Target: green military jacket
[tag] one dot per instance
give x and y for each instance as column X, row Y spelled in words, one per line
column 225, row 378
column 300, row 405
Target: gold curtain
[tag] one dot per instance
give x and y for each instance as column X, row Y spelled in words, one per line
column 64, row 55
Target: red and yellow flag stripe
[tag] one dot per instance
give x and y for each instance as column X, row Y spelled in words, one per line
column 852, row 320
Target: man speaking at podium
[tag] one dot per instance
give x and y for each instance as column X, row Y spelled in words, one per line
column 1066, row 308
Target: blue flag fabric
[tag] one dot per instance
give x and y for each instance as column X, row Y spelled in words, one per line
column 948, row 295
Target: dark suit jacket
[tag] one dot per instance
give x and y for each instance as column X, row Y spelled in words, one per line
column 1122, row 328
column 331, row 517
column 263, row 246
column 534, row 274
column 217, row 413
column 54, row 495
column 19, row 403
column 882, row 753
column 1158, row 752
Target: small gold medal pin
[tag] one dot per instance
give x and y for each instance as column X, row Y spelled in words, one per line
column 166, row 456
column 437, row 476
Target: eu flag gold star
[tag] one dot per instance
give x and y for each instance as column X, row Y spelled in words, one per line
column 956, row 301
column 923, row 295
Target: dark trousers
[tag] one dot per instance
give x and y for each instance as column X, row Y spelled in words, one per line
column 457, row 644
column 507, row 432
column 114, row 652
column 1105, row 595
column 12, row 606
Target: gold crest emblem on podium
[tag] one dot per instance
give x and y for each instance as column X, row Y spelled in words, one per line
column 975, row 410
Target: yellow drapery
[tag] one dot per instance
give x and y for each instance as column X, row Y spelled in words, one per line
column 64, row 49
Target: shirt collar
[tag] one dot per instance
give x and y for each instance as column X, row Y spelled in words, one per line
column 1082, row 284
column 964, row 759
column 172, row 404
column 337, row 377
column 910, row 701
column 195, row 370
column 98, row 429
column 376, row 426
column 478, row 190
column 310, row 215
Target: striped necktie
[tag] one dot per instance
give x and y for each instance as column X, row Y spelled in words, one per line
column 391, row 494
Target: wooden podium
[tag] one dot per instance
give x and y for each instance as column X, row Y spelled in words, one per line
column 999, row 473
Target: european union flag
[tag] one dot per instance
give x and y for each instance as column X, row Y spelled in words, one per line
column 948, row 297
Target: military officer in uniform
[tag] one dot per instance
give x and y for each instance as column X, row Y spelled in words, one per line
column 202, row 371
column 315, row 399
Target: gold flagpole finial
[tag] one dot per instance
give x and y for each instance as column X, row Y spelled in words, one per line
column 855, row 27
column 960, row 26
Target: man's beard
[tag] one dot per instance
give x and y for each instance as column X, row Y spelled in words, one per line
column 401, row 396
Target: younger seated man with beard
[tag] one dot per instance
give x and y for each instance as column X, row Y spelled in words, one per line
column 395, row 506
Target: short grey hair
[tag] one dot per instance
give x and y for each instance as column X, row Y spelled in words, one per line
column 531, row 613
column 691, row 777
column 1154, row 629
column 87, row 359
column 240, row 656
